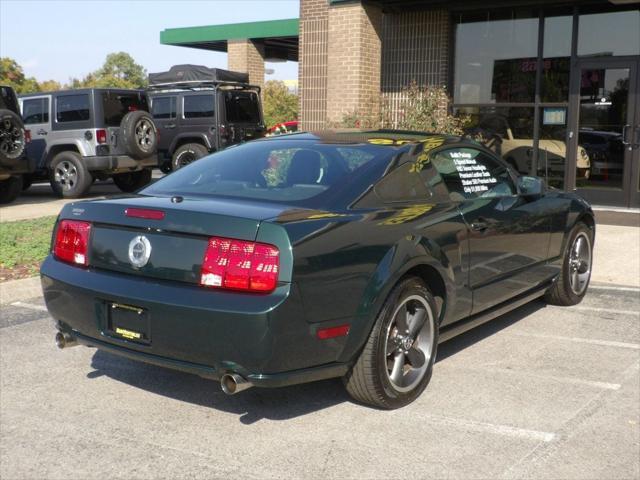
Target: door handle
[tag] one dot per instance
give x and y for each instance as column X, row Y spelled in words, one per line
column 41, row 132
column 479, row 225
column 170, row 125
column 625, row 140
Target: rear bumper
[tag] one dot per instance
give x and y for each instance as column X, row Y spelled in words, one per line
column 118, row 162
column 266, row 339
column 17, row 167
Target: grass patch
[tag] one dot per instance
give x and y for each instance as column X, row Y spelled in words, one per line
column 23, row 246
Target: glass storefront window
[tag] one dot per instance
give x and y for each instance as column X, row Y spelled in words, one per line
column 507, row 131
column 556, row 58
column 611, row 33
column 495, row 60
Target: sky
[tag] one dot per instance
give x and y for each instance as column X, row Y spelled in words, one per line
column 61, row 39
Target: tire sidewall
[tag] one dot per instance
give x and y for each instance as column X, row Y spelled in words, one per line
column 17, row 122
column 134, row 180
column 10, row 189
column 196, row 149
column 409, row 287
column 566, row 272
column 128, row 131
column 84, row 177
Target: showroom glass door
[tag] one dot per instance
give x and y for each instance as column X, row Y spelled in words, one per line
column 606, row 129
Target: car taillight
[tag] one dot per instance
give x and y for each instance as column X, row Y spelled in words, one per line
column 27, row 136
column 101, row 136
column 240, row 265
column 72, row 242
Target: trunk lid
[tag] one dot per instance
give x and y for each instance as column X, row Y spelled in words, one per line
column 176, row 243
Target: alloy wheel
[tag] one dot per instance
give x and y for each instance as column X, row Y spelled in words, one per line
column 145, row 134
column 580, row 263
column 409, row 343
column 11, row 140
column 66, row 174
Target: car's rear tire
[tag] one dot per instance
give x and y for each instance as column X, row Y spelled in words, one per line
column 571, row 285
column 139, row 134
column 131, row 181
column 10, row 188
column 186, row 154
column 27, row 181
column 396, row 363
column 68, row 175
column 12, row 137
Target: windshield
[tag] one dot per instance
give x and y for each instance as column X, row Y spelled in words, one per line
column 287, row 171
column 116, row 105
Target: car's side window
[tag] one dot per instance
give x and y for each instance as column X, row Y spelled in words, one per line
column 35, row 110
column 402, row 184
column 198, row 106
column 163, row 108
column 470, row 173
column 72, row 108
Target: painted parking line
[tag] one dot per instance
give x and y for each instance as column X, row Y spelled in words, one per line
column 542, row 376
column 605, row 310
column 615, row 289
column 604, row 343
column 484, row 427
column 30, row 306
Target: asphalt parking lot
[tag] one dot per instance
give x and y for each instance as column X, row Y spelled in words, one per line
column 543, row 392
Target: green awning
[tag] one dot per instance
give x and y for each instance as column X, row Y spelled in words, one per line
column 279, row 37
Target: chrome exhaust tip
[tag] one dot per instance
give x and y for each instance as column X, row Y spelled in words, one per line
column 65, row 340
column 232, row 383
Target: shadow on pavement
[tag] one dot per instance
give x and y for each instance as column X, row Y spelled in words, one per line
column 274, row 404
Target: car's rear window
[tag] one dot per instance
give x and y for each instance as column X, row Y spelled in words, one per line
column 280, row 171
column 116, row 105
column 242, row 107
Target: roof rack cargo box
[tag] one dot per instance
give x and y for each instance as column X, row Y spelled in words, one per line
column 195, row 74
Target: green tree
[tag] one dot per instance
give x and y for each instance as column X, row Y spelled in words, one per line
column 11, row 74
column 118, row 71
column 280, row 105
column 50, row 86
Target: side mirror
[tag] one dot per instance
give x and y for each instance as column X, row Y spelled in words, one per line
column 531, row 186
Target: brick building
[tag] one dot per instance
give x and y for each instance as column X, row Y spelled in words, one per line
column 553, row 85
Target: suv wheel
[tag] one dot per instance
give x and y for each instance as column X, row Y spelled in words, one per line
column 139, row 134
column 396, row 363
column 10, row 189
column 186, row 154
column 12, row 141
column 69, row 177
column 132, row 181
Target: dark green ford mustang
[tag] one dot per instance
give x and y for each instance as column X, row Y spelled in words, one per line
column 310, row 256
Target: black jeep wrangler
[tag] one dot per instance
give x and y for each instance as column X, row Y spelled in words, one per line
column 13, row 139
column 95, row 133
column 199, row 110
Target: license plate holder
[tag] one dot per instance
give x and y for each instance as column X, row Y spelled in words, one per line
column 128, row 322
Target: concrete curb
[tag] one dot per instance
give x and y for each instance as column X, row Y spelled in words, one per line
column 16, row 290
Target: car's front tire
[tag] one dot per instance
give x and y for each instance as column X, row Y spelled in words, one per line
column 396, row 363
column 69, row 177
column 571, row 285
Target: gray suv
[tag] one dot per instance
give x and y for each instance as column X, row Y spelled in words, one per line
column 199, row 110
column 82, row 135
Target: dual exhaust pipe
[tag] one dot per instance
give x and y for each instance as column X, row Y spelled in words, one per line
column 231, row 383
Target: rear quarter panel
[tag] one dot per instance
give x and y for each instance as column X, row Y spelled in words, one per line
column 345, row 264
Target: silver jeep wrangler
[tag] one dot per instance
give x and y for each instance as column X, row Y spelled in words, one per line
column 82, row 135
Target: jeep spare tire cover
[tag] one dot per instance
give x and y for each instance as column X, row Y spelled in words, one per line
column 12, row 138
column 139, row 134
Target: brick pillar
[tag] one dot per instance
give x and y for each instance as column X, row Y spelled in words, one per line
column 354, row 60
column 312, row 63
column 247, row 56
